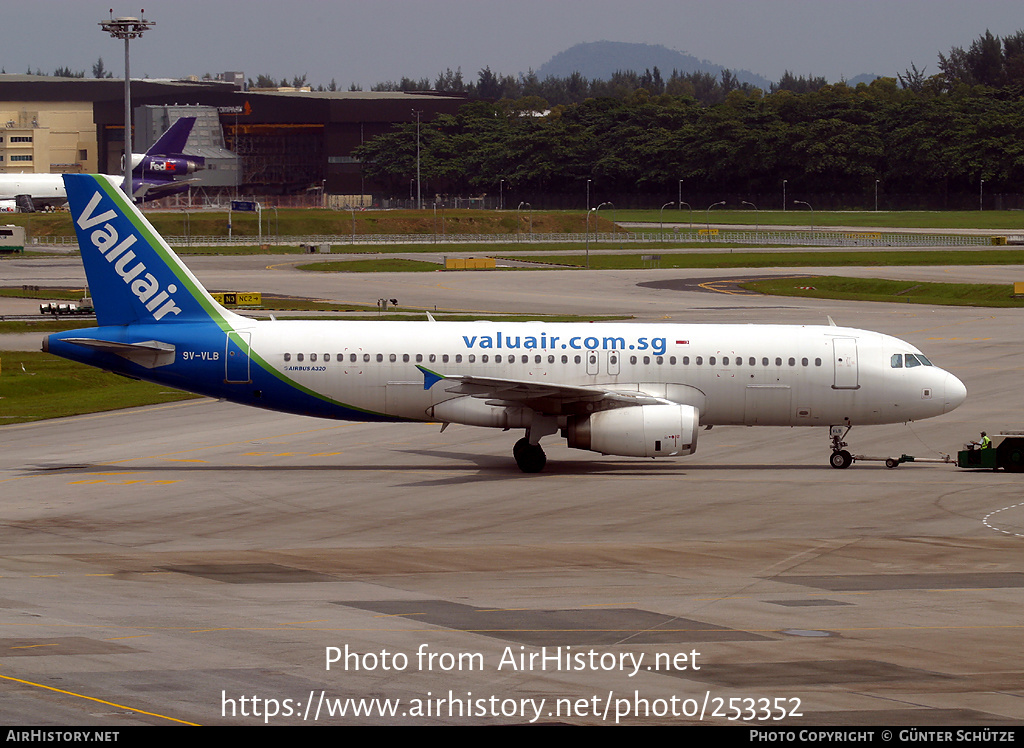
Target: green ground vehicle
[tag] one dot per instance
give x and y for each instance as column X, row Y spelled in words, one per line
column 1008, row 454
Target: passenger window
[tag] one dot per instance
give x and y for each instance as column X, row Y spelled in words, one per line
column 458, row 358
column 817, row 362
column 672, row 360
column 366, row 357
column 764, row 361
column 686, row 360
column 778, row 361
column 699, row 360
column 432, row 358
column 444, row 358
column 298, row 357
column 565, row 359
column 647, row 360
column 753, row 361
column 577, row 359
column 471, row 358
column 896, row 361
column 792, row 361
column 632, row 360
column 659, row 359
column 536, row 359
column 711, row 360
column 497, row 358
column 405, row 358
column 312, row 357
column 380, row 358
column 804, row 362
column 287, row 357
column 353, row 358
column 327, row 357
column 419, row 358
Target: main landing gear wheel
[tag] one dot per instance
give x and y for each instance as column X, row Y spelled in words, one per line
column 841, row 459
column 529, row 457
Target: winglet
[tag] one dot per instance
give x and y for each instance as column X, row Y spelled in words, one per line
column 430, row 378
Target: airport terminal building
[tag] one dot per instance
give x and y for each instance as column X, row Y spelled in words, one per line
column 256, row 142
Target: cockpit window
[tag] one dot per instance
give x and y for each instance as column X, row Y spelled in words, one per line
column 912, row 360
column 896, row 361
column 923, row 360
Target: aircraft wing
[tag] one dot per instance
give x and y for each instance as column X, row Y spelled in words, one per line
column 544, row 397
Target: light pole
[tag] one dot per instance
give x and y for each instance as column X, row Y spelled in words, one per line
column 691, row 213
column 589, row 211
column 661, row 216
column 680, row 198
column 419, row 194
column 757, row 217
column 876, row 196
column 501, row 194
column 519, row 208
column 126, row 28
column 801, row 202
column 981, row 196
column 588, row 197
column 784, row 181
column 708, row 212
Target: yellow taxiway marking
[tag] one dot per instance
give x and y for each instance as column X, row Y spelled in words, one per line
column 34, row 646
column 98, row 701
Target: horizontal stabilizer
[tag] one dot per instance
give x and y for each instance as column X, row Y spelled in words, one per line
column 149, row 353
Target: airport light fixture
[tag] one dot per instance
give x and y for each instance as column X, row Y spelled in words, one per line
column 708, row 212
column 419, row 194
column 801, row 202
column 661, row 215
column 127, row 28
column 876, row 195
column 757, row 216
column 681, row 204
column 530, row 214
column 981, row 196
column 784, row 182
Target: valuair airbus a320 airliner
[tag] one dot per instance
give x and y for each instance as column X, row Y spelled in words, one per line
column 640, row 390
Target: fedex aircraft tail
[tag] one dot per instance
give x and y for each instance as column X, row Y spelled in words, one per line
column 134, row 275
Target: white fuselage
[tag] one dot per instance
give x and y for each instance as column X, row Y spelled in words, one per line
column 732, row 374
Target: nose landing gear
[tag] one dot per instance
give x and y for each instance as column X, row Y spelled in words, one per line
column 840, row 459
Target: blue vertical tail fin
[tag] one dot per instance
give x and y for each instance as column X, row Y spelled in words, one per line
column 134, row 276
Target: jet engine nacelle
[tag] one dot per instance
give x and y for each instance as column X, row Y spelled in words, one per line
column 640, row 431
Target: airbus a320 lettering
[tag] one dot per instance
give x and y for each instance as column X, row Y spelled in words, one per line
column 638, row 390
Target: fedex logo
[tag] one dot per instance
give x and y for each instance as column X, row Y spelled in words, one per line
column 119, row 253
column 162, row 166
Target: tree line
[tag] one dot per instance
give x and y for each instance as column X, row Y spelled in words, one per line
column 938, row 135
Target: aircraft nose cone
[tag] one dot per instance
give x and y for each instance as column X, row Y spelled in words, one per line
column 955, row 393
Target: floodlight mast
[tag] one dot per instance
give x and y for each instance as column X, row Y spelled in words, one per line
column 127, row 28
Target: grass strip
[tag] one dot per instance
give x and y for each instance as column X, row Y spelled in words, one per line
column 835, row 258
column 877, row 289
column 35, row 386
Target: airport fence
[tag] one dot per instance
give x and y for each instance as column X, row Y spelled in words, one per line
column 822, row 238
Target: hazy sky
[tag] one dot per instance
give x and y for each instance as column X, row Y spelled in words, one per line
column 376, row 40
